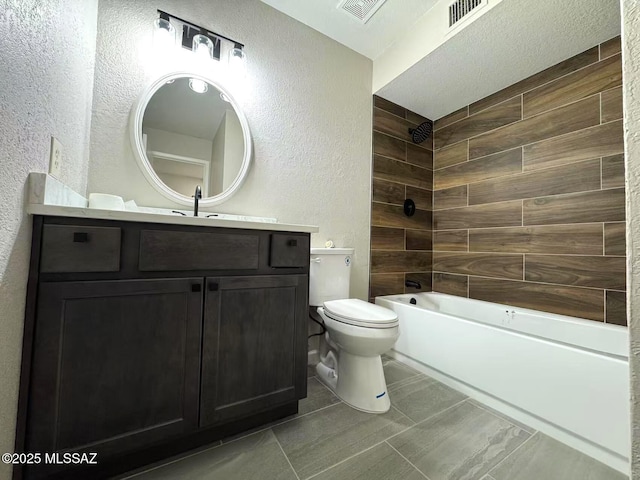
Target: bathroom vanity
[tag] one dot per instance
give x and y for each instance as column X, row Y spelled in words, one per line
column 151, row 332
column 145, row 339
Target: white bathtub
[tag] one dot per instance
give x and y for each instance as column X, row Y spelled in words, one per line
column 564, row 376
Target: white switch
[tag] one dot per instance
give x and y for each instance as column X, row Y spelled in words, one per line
column 55, row 158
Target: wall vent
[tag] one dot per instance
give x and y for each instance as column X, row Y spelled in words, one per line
column 461, row 8
column 361, row 10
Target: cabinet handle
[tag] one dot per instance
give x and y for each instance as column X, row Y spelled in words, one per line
column 292, row 243
column 213, row 287
column 196, row 287
column 80, row 237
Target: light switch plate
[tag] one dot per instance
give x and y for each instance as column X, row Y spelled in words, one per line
column 55, row 158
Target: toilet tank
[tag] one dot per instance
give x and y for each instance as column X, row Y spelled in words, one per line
column 329, row 274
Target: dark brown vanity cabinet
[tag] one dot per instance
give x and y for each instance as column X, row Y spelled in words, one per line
column 116, row 364
column 249, row 345
column 137, row 357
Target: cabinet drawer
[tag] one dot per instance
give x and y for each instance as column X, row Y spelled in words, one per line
column 71, row 248
column 163, row 250
column 289, row 250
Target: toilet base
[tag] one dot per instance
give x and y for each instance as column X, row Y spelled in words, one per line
column 359, row 382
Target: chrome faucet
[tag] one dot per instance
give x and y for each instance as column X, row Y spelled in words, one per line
column 196, row 198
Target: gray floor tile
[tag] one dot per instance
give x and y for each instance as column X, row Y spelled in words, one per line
column 321, row 439
column 318, row 396
column 517, row 423
column 311, row 371
column 256, row 457
column 133, row 473
column 464, row 442
column 423, row 397
column 395, row 371
column 544, row 457
column 379, row 463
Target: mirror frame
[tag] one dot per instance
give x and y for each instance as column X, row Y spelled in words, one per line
column 135, row 131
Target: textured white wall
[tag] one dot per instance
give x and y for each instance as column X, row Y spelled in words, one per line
column 631, row 70
column 47, row 54
column 307, row 101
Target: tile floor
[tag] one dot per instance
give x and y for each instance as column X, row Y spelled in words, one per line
column 431, row 432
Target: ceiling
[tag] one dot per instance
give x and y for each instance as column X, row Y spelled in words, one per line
column 514, row 40
column 370, row 39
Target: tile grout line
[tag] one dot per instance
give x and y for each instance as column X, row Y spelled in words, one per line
column 401, row 413
column 601, row 179
column 401, row 183
column 426, row 419
column 522, row 172
column 497, row 414
column 345, row 460
column 516, row 226
column 542, row 84
column 392, row 135
column 401, row 160
column 526, row 144
column 593, row 95
column 285, row 456
column 511, row 453
column 531, row 282
column 533, row 198
column 499, row 253
column 407, row 460
column 175, row 460
column 600, row 106
column 281, row 423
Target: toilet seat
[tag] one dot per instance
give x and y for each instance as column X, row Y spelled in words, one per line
column 359, row 313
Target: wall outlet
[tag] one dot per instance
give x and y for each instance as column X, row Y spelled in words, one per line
column 55, row 158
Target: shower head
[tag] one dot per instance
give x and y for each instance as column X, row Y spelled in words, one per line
column 421, row 132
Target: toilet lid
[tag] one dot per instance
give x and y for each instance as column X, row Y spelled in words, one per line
column 360, row 313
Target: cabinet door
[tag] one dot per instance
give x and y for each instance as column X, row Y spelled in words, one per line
column 254, row 345
column 116, row 364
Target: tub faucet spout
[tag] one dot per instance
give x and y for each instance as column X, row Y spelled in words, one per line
column 413, row 283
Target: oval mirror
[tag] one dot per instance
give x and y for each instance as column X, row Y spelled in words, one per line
column 188, row 131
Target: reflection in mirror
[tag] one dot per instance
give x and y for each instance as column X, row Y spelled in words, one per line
column 192, row 138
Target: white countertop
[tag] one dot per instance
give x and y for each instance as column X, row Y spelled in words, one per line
column 48, row 196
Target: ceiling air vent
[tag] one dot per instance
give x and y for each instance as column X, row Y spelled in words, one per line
column 461, row 8
column 361, row 10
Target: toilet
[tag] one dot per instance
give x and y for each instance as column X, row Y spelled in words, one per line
column 357, row 334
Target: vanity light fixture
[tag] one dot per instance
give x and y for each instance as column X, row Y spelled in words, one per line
column 190, row 31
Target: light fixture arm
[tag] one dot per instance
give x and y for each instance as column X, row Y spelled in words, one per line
column 189, row 30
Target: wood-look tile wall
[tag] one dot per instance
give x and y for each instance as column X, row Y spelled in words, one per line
column 528, row 205
column 400, row 245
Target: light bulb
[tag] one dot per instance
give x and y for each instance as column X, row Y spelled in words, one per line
column 202, row 46
column 164, row 35
column 198, row 86
column 237, row 61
